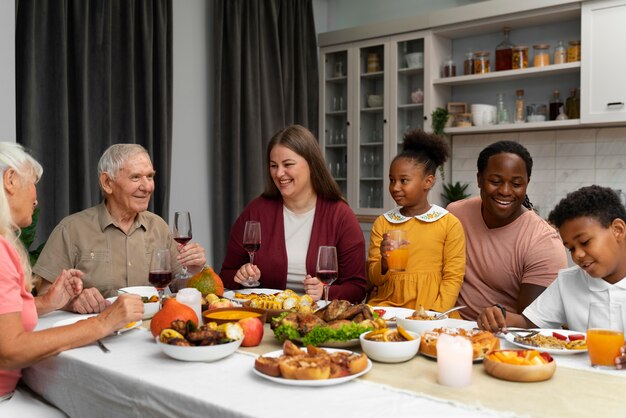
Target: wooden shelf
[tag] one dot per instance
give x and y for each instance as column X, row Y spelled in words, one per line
column 533, row 72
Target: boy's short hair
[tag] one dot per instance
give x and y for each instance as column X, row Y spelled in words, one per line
column 597, row 202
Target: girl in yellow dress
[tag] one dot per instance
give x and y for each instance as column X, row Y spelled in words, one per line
column 436, row 243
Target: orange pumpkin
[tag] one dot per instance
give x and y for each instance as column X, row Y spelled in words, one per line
column 171, row 311
column 207, row 281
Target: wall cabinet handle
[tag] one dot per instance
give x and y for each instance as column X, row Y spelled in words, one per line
column 611, row 104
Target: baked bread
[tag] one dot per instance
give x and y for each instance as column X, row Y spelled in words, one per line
column 483, row 342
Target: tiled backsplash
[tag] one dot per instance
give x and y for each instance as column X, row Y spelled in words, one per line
column 564, row 160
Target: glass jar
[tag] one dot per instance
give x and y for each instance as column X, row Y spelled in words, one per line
column 449, row 68
column 541, row 55
column 468, row 63
column 520, row 117
column 560, row 54
column 573, row 51
column 504, row 52
column 520, row 57
column 373, row 63
column 481, row 62
column 572, row 105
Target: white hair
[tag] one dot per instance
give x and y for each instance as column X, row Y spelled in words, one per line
column 116, row 156
column 13, row 156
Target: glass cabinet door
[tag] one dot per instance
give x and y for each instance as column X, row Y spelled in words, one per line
column 409, row 88
column 336, row 116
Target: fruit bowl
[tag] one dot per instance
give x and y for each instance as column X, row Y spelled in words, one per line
column 150, row 308
column 233, row 314
column 390, row 351
column 420, row 325
column 199, row 353
column 519, row 372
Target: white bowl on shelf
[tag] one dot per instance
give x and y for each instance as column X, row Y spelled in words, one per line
column 375, row 100
column 415, row 60
column 483, row 114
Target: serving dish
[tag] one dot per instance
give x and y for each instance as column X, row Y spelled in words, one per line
column 548, row 332
column 233, row 314
column 420, row 325
column 324, row 382
column 149, row 308
column 230, row 294
column 390, row 352
column 519, row 373
column 199, row 353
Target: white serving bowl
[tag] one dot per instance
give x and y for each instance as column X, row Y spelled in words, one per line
column 149, row 309
column 374, row 100
column 415, row 60
column 199, row 353
column 420, row 325
column 391, row 352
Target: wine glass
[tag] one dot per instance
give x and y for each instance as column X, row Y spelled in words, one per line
column 252, row 243
column 160, row 269
column 182, row 235
column 326, row 270
column 605, row 334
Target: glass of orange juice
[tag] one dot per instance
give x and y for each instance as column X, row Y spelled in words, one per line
column 399, row 256
column 605, row 333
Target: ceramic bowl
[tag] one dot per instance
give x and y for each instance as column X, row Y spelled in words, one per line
column 149, row 309
column 420, row 325
column 415, row 60
column 199, row 353
column 223, row 315
column 375, row 100
column 390, row 352
column 519, row 373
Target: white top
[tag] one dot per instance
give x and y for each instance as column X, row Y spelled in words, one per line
column 567, row 300
column 298, row 227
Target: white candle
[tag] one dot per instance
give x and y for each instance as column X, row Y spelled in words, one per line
column 454, row 360
column 192, row 298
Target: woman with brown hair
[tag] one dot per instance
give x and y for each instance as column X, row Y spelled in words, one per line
column 301, row 209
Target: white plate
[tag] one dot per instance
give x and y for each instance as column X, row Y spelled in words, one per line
column 548, row 332
column 230, row 294
column 392, row 312
column 324, row 382
column 73, row 320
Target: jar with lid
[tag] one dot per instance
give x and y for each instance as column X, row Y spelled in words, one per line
column 541, row 55
column 481, row 62
column 560, row 54
column 373, row 62
column 519, row 107
column 573, row 51
column 449, row 68
column 520, row 57
column 468, row 63
column 504, row 52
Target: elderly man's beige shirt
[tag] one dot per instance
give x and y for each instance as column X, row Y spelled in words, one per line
column 92, row 242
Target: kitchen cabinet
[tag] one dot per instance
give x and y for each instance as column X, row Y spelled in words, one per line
column 603, row 93
column 373, row 92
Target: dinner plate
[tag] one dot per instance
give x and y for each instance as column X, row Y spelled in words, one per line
column 230, row 294
column 73, row 320
column 324, row 382
column 548, row 332
column 392, row 312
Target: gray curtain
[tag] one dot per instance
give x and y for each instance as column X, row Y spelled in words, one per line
column 266, row 77
column 91, row 73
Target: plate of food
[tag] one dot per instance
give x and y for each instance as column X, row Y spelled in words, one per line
column 390, row 313
column 243, row 295
column 311, row 366
column 483, row 342
column 553, row 341
column 73, row 320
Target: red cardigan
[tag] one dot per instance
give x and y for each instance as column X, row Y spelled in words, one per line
column 334, row 224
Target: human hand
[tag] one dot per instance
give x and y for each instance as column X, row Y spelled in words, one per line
column 66, row 286
column 88, row 301
column 491, row 319
column 126, row 308
column 191, row 255
column 313, row 287
column 246, row 272
column 620, row 361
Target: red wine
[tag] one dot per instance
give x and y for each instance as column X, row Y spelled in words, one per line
column 251, row 247
column 327, row 276
column 160, row 279
column 182, row 240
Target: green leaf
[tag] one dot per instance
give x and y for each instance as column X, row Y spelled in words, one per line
column 27, row 236
column 453, row 192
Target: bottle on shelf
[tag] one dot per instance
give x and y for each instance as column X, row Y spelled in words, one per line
column 468, row 63
column 502, row 113
column 520, row 117
column 555, row 105
column 449, row 67
column 572, row 105
column 504, row 52
column 560, row 53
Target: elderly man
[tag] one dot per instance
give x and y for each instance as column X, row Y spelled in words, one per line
column 112, row 242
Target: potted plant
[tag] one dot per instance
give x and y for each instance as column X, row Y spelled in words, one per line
column 27, row 236
column 453, row 192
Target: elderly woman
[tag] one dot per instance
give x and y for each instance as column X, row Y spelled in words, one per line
column 113, row 241
column 19, row 345
column 301, row 209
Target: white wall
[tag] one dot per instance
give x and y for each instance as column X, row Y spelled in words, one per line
column 7, row 71
column 192, row 117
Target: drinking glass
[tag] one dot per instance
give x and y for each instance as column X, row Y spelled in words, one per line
column 160, row 269
column 252, row 243
column 398, row 258
column 182, row 235
column 326, row 270
column 605, row 333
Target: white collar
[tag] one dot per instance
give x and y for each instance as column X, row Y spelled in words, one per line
column 432, row 215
